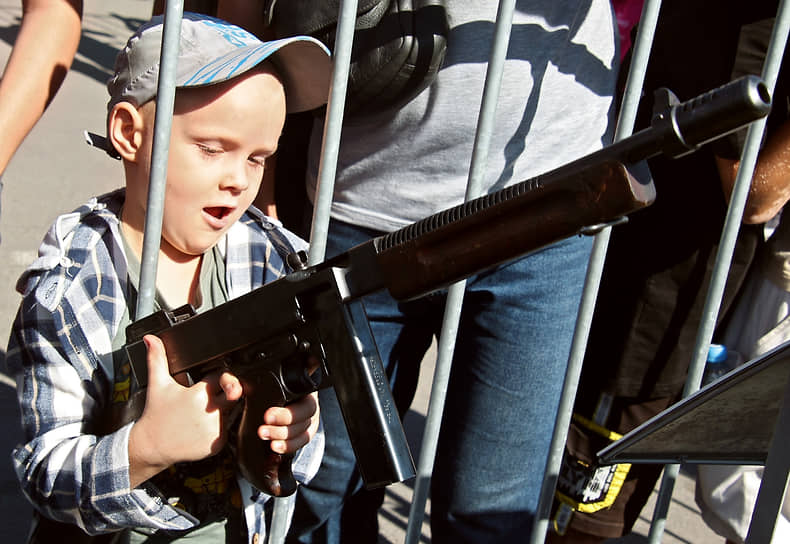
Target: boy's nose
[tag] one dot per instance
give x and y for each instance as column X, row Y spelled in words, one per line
column 235, row 179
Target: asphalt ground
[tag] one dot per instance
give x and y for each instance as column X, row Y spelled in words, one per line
column 55, row 171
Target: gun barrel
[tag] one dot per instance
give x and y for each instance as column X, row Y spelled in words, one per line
column 721, row 111
column 679, row 128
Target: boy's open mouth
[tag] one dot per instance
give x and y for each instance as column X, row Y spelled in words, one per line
column 220, row 212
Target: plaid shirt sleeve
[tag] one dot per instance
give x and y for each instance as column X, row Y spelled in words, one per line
column 69, row 472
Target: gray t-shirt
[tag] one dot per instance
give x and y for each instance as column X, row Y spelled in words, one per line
column 554, row 106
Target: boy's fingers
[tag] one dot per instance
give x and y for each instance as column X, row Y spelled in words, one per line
column 157, row 359
column 223, row 388
column 230, row 386
column 284, row 432
column 301, row 410
column 288, row 446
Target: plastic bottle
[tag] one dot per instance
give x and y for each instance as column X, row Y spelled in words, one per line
column 720, row 361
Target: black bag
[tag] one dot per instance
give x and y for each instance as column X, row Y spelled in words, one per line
column 398, row 48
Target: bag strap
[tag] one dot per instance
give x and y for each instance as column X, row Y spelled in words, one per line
column 316, row 17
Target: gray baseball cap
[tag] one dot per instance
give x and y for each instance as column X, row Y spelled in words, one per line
column 212, row 51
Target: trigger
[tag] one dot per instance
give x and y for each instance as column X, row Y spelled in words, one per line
column 303, row 377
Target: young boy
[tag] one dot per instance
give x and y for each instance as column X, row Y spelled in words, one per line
column 168, row 472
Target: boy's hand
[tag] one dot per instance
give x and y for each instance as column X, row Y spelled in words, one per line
column 186, row 423
column 178, row 423
column 291, row 427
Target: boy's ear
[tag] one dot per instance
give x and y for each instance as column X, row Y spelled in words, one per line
column 125, row 130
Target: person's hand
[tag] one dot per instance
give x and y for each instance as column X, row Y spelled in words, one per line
column 185, row 423
column 291, row 427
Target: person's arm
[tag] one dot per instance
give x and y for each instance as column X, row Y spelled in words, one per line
column 770, row 187
column 43, row 52
column 247, row 14
column 265, row 201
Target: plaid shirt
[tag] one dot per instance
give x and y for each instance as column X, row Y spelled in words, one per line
column 75, row 295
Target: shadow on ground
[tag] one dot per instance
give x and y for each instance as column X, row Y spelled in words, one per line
column 96, row 53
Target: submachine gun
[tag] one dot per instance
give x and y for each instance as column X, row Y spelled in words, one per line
column 270, row 337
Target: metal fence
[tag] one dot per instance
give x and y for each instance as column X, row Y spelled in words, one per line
column 777, row 465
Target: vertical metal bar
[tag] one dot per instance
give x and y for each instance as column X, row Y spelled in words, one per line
column 163, row 121
column 327, row 170
column 455, row 293
column 625, row 127
column 724, row 255
column 774, row 480
column 433, row 420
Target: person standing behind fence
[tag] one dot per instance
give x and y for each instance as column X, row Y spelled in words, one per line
column 657, row 273
column 760, row 320
column 396, row 167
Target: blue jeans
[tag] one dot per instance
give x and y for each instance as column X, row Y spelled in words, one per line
column 510, row 359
